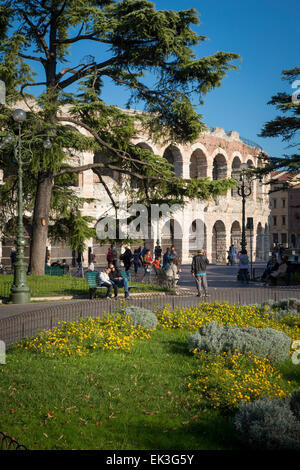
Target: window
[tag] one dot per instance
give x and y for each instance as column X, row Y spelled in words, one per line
column 274, row 220
column 283, row 202
column 283, row 220
column 275, row 237
column 274, row 203
column 283, row 238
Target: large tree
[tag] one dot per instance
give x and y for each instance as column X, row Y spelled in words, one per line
column 131, row 41
column 287, row 124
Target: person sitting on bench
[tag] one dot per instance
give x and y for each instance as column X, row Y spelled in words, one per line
column 280, row 272
column 118, row 280
column 107, row 282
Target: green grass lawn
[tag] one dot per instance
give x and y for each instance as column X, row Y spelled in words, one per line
column 109, row 400
column 143, row 398
column 52, row 286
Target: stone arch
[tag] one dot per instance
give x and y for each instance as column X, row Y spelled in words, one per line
column 219, row 167
column 197, row 237
column 171, row 234
column 101, row 157
column 235, row 174
column 173, row 155
column 236, row 235
column 144, row 145
column 198, row 164
column 219, row 242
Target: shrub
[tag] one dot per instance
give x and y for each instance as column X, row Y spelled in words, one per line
column 262, row 342
column 268, row 424
column 141, row 317
column 285, row 313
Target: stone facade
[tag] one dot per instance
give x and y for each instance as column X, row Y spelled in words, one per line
column 213, row 225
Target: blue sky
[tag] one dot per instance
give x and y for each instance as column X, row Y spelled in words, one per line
column 266, row 35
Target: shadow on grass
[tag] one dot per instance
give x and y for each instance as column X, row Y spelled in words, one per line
column 209, row 433
column 178, row 347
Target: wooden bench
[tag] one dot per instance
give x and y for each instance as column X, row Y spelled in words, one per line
column 94, row 283
column 55, row 270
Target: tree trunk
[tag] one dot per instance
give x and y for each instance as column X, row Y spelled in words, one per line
column 40, row 225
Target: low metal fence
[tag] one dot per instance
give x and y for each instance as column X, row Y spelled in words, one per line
column 28, row 324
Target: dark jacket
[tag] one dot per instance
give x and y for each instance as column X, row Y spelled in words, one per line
column 199, row 264
column 115, row 274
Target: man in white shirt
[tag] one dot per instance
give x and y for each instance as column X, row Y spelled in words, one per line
column 106, row 282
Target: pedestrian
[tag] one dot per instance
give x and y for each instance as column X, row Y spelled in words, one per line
column 109, row 256
column 172, row 274
column 13, row 258
column 243, row 266
column 147, row 263
column 136, row 260
column 156, row 264
column 173, row 256
column 198, row 270
column 166, row 258
column 126, row 257
column 65, row 266
column 232, row 255
column 115, row 255
column 157, row 250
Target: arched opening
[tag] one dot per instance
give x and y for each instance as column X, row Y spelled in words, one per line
column 259, row 242
column 198, row 164
column 219, row 167
column 219, row 242
column 236, row 235
column 174, row 157
column 197, row 237
column 136, row 182
column 235, row 174
column 100, row 157
column 171, row 234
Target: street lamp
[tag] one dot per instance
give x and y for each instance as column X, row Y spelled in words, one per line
column 20, row 292
column 244, row 190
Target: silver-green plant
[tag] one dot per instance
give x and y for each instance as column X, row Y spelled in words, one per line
column 269, row 424
column 141, row 317
column 262, row 342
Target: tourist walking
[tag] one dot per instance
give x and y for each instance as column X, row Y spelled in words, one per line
column 243, row 266
column 166, row 258
column 136, row 260
column 198, row 270
column 147, row 263
column 126, row 257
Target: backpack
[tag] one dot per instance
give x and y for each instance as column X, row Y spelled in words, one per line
column 244, row 259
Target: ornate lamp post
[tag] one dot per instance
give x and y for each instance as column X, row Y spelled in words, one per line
column 244, row 190
column 20, row 292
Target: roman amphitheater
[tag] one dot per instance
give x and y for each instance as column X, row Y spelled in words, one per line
column 213, row 225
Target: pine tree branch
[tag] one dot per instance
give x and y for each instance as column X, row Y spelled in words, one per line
column 38, row 33
column 120, row 154
column 84, row 72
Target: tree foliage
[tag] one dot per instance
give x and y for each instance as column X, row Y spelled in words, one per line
column 150, row 53
column 287, row 124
